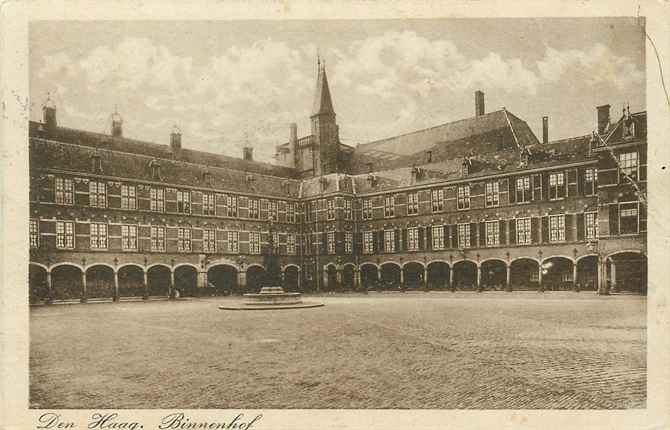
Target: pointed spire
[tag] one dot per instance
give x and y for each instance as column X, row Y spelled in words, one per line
column 323, row 103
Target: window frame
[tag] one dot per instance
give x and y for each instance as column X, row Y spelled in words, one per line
column 157, row 199
column 557, row 190
column 389, row 206
column 495, row 235
column 436, row 200
column 523, row 194
column 254, row 243
column 463, row 197
column 65, row 239
column 157, row 237
column 389, row 241
column 368, row 242
column 233, row 242
column 437, row 237
column 463, row 235
column 97, row 194
column 524, row 231
column 64, row 191
column 128, row 239
column 208, row 204
column 34, row 233
column 493, row 194
column 557, row 228
column 128, row 197
column 635, row 169
column 184, row 202
column 413, row 203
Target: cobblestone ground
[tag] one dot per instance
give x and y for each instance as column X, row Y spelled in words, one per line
column 392, row 350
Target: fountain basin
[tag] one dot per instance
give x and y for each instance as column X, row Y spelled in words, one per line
column 271, row 298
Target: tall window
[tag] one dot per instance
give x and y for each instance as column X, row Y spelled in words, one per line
column 290, row 212
column 523, row 189
column 233, row 244
column 97, row 194
column 590, row 181
column 98, row 236
column 591, row 225
column 253, row 208
column 412, row 203
column 367, row 209
column 368, row 247
column 129, row 237
column 209, row 240
column 492, row 233
column 413, row 238
column 463, row 197
column 157, row 239
column 628, row 218
column 128, row 197
column 492, row 194
column 464, row 235
column 183, row 239
column 64, row 191
column 290, row 244
column 556, row 185
column 184, row 202
column 331, row 209
column 437, row 200
column 34, row 233
column 556, row 228
column 389, row 206
column 64, row 234
column 157, row 199
column 348, row 242
column 523, row 231
column 331, row 242
column 628, row 166
column 208, row 204
column 389, row 241
column 272, row 210
column 438, row 237
column 254, row 243
column 347, row 210
column 231, row 206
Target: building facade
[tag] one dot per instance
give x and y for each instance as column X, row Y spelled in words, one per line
column 478, row 203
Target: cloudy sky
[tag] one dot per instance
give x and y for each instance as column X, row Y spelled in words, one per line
column 226, row 83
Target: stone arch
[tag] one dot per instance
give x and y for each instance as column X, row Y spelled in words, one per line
column 38, row 287
column 369, row 275
column 348, row 276
column 222, row 278
column 557, row 273
column 110, row 266
column 66, row 281
column 225, row 262
column 330, row 271
column 438, row 274
column 131, row 280
column 159, row 279
column 627, row 271
column 100, row 281
column 186, row 280
column 524, row 273
column 413, row 274
column 587, row 272
column 292, row 278
column 390, row 275
column 255, row 277
column 194, row 266
column 465, row 274
column 494, row 273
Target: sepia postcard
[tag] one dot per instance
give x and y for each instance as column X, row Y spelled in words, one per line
column 351, row 215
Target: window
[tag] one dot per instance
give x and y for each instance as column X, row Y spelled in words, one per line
column 275, row 239
column 368, row 247
column 157, row 239
column 464, row 235
column 627, row 166
column 129, row 237
column 183, row 239
column 157, row 200
column 64, row 234
column 590, row 181
column 98, row 236
column 233, row 244
column 591, row 225
column 523, row 231
column 290, row 212
column 367, row 209
column 628, row 218
column 331, row 209
column 331, row 242
column 208, row 204
column 438, row 237
column 556, row 185
column 463, row 197
column 556, row 228
column 389, row 241
column 128, row 197
column 492, row 194
column 412, row 203
column 97, row 194
column 437, row 199
column 523, row 189
column 492, row 233
column 290, row 244
column 253, row 208
column 389, row 206
column 347, row 210
column 231, row 206
column 272, row 211
column 64, row 191
column 34, row 233
column 184, row 202
column 348, row 242
column 209, row 240
column 254, row 242
column 413, row 239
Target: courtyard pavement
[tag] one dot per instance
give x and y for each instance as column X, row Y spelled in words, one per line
column 559, row 350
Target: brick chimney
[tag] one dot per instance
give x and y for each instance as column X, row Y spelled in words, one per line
column 293, row 136
column 248, row 153
column 603, row 118
column 479, row 103
column 545, row 129
column 117, row 125
column 175, row 139
column 49, row 113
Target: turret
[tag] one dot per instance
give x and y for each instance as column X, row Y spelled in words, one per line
column 324, row 127
column 117, row 124
column 49, row 114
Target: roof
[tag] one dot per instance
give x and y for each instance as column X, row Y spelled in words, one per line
column 627, row 128
column 323, row 103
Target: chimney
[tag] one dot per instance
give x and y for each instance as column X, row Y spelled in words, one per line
column 248, row 153
column 293, row 137
column 603, row 118
column 369, row 167
column 175, row 139
column 117, row 125
column 479, row 103
column 429, row 156
column 545, row 129
column 49, row 112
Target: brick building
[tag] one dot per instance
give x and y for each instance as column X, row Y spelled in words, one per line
column 479, row 202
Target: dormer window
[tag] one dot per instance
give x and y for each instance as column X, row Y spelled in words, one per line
column 465, row 166
column 206, row 177
column 250, row 178
column 155, row 170
column 324, row 183
column 524, row 159
column 372, row 180
column 96, row 163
